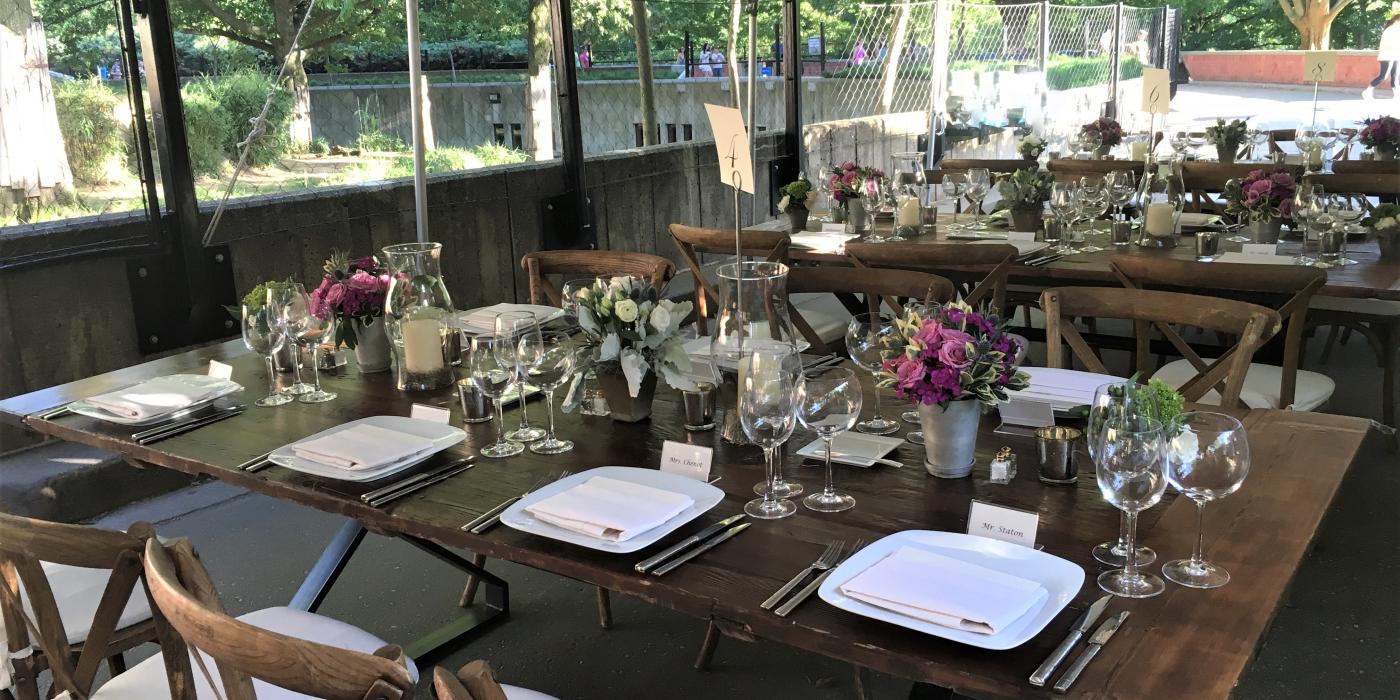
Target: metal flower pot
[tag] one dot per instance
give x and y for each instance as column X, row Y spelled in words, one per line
column 623, row 406
column 797, row 219
column 950, row 437
column 1390, row 247
column 1264, row 230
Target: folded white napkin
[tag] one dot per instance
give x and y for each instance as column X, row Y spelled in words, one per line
column 483, row 320
column 1252, row 259
column 822, row 242
column 610, row 509
column 153, row 397
column 946, row 591
column 1063, row 388
column 362, row 447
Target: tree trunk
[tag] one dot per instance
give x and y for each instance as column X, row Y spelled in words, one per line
column 300, row 87
column 644, row 77
column 33, row 164
column 538, row 86
column 736, row 21
column 1313, row 20
column 892, row 58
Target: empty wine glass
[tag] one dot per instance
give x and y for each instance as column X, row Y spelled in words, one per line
column 262, row 336
column 1179, row 143
column 866, row 336
column 1232, row 185
column 1062, row 205
column 828, row 403
column 979, row 183
column 1132, row 477
column 495, row 377
column 1258, row 138
column 307, row 329
column 954, row 185
column 1090, row 202
column 1206, row 461
column 1348, row 208
column 549, row 361
column 1120, row 186
column 768, row 379
column 1197, row 140
column 279, row 296
column 514, row 325
column 1115, row 400
column 870, row 201
column 569, row 293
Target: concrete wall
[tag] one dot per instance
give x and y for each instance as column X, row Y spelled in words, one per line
column 1354, row 68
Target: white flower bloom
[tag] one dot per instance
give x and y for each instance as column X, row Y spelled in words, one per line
column 660, row 318
column 626, row 310
column 1387, row 222
column 783, row 203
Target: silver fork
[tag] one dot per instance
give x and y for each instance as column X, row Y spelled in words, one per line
column 823, row 562
column 812, row 587
column 492, row 517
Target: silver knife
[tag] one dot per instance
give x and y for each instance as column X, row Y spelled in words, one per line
column 1096, row 642
column 645, row 565
column 707, row 546
column 255, row 463
column 383, row 491
column 451, row 470
column 1081, row 627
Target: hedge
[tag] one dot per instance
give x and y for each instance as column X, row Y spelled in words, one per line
column 93, row 139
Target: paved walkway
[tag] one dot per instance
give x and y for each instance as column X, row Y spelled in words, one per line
column 1276, row 106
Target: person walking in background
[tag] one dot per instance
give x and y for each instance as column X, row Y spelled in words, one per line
column 679, row 65
column 858, row 55
column 702, row 65
column 585, row 56
column 1388, row 53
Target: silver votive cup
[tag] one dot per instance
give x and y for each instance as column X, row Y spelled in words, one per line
column 1121, row 233
column 699, row 407
column 1331, row 244
column 928, row 219
column 1054, row 230
column 1207, row 245
column 1054, row 447
column 476, row 408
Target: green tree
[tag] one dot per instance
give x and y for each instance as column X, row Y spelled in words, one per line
column 1313, row 19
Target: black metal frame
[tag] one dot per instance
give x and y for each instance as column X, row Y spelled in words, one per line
column 568, row 219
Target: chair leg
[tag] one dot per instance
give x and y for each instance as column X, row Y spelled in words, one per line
column 1346, row 335
column 707, row 647
column 116, row 663
column 1331, row 343
column 604, row 609
column 860, row 680
column 469, row 593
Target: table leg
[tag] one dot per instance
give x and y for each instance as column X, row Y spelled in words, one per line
column 328, row 567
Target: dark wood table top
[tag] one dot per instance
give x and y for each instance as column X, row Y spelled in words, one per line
column 1370, row 278
column 1184, row 643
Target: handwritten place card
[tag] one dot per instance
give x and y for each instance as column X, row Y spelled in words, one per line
column 1259, row 248
column 1001, row 523
column 1156, row 90
column 1320, row 66
column 432, row 414
column 1032, row 414
column 219, row 370
column 691, row 461
column 732, row 144
column 1020, row 236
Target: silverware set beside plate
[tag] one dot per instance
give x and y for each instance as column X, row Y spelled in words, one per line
column 812, row 367
column 830, row 558
column 492, row 517
column 668, row 559
column 417, row 482
column 1097, row 640
column 185, row 423
column 1037, row 261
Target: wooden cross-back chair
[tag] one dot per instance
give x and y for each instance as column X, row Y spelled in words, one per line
column 692, row 240
column 962, row 262
column 1071, row 169
column 1367, row 167
column 1383, row 186
column 1253, row 324
column 1289, row 289
column 1279, row 135
column 72, row 633
column 891, row 287
column 996, row 166
column 607, row 263
column 1204, row 180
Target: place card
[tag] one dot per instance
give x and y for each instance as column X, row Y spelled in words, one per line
column 732, row 145
column 219, row 370
column 691, row 461
column 1156, row 90
column 432, row 414
column 1020, row 236
column 1320, row 66
column 828, row 227
column 1001, row 523
column 1259, row 248
column 1026, row 413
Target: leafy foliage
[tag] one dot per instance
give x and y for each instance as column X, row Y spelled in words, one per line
column 240, row 97
column 92, row 137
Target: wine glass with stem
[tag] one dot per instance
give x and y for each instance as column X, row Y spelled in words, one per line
column 1062, row 205
column 279, row 296
column 548, row 357
column 514, row 325
column 1090, row 202
column 1258, row 138
column 494, row 377
column 1238, row 237
column 262, row 336
column 870, row 201
column 1120, row 185
column 308, row 330
column 1348, row 208
column 1131, row 477
column 866, row 337
column 979, row 182
column 954, row 185
column 912, row 417
column 768, row 414
column 1115, row 400
column 1207, row 461
column 828, row 403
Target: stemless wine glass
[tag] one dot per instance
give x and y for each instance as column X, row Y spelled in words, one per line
column 1115, row 400
column 514, row 325
column 279, row 296
column 979, row 183
column 261, row 335
column 1062, row 205
column 308, row 330
column 1206, row 461
column 828, row 403
column 549, row 361
column 1132, row 477
column 494, row 377
column 768, row 379
column 954, row 185
column 865, row 343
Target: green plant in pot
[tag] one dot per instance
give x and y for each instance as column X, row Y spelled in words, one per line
column 1385, row 221
column 1227, row 137
column 1024, row 193
column 796, row 202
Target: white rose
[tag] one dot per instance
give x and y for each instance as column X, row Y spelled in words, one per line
column 661, row 318
column 625, row 310
column 783, row 203
column 1387, row 222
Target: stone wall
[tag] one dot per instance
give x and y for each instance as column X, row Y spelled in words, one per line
column 1354, row 68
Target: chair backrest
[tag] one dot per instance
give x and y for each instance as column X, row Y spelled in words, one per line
column 770, row 245
column 543, row 263
column 25, row 544
column 1253, row 324
column 1205, row 179
column 982, row 269
column 890, row 286
column 187, row 600
column 994, row 165
column 1278, row 135
column 1071, row 169
column 1291, row 288
column 1366, row 167
column 1382, row 185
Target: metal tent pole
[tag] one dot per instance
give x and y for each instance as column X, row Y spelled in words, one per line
column 415, row 91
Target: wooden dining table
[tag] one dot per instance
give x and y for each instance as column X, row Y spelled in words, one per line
column 1183, row 643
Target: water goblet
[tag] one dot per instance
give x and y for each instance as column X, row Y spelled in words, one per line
column 549, row 362
column 979, row 183
column 262, row 336
column 1062, row 205
column 308, row 330
column 1090, row 202
column 1206, row 461
column 1348, row 208
column 828, row 403
column 768, row 378
column 954, row 185
column 866, row 337
column 1131, row 477
column 514, row 325
column 279, row 296
column 1115, row 400
column 495, row 377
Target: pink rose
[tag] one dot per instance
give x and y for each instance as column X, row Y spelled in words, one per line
column 333, row 297
column 929, row 334
column 909, row 374
column 363, row 281
column 953, row 352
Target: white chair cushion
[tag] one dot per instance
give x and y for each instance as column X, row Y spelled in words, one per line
column 77, row 591
column 1376, row 307
column 825, row 314
column 1261, row 386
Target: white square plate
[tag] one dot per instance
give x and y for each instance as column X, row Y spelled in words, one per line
column 220, row 387
column 443, row 437
column 1060, row 578
column 705, row 496
column 855, row 449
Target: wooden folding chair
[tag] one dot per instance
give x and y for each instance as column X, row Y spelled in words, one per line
column 963, row 263
column 1253, row 324
column 996, row 166
column 477, row 681
column 691, row 240
column 891, row 287
column 1205, row 180
column 541, row 264
column 1071, row 169
column 68, row 595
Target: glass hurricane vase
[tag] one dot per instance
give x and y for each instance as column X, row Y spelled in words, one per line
column 414, row 311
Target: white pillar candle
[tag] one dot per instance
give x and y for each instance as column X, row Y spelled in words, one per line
column 1160, row 220
column 1139, row 150
column 422, row 345
column 908, row 212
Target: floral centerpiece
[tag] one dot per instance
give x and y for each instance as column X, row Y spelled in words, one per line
column 951, row 361
column 1106, row 131
column 796, row 202
column 1025, row 193
column 1261, row 201
column 1385, row 221
column 354, row 292
column 1031, row 147
column 633, row 335
column 846, row 184
column 1382, row 135
column 1227, row 137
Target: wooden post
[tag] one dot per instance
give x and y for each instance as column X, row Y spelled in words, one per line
column 645, row 79
column 1043, row 51
column 892, row 58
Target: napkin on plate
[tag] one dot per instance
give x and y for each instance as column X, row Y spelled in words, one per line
column 362, row 447
column 945, row 591
column 153, row 397
column 610, row 509
column 483, row 320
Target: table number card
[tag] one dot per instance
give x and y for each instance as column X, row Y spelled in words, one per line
column 691, row 461
column 1156, row 90
column 432, row 414
column 732, row 144
column 219, row 370
column 1320, row 66
column 1000, row 523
